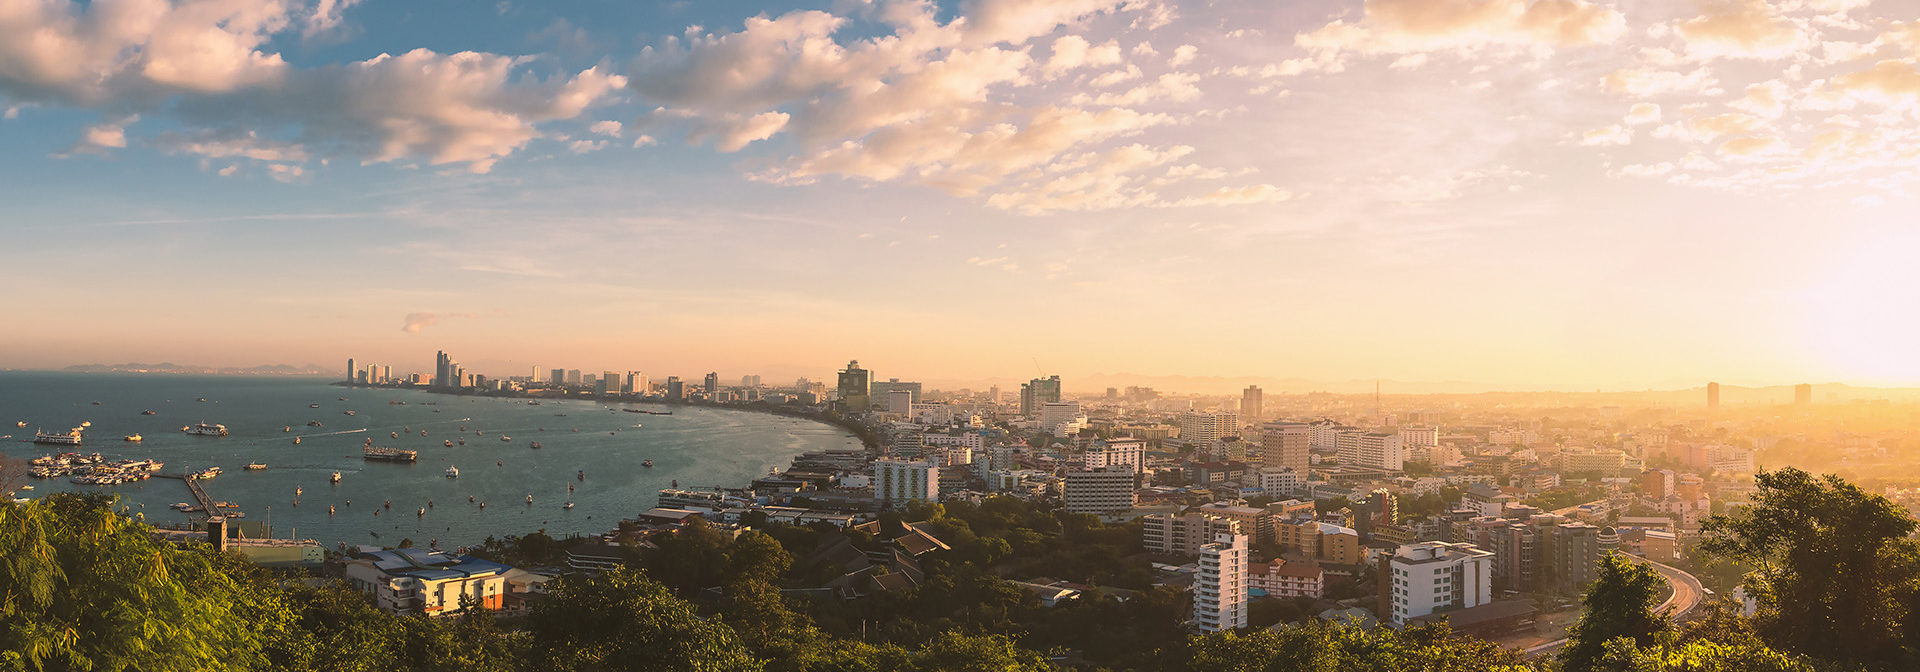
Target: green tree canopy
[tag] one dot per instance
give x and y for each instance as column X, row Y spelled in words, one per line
column 622, row 621
column 1620, row 603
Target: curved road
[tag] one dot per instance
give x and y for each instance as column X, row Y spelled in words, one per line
column 1684, row 595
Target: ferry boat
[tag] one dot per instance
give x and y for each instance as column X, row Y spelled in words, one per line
column 69, row 438
column 256, row 466
column 133, row 438
column 453, row 472
column 207, row 473
column 335, row 478
column 204, row 429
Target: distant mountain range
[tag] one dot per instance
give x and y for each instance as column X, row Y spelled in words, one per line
column 170, row 367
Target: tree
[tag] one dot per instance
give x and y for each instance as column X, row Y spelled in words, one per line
column 622, row 621
column 13, row 474
column 1835, row 572
column 1700, row 656
column 1619, row 604
column 84, row 589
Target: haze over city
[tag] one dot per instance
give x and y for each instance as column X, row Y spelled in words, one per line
column 1570, row 194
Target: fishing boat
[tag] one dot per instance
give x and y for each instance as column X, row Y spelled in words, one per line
column 133, row 438
column 453, row 472
column 204, row 429
column 298, row 491
column 313, row 423
column 313, row 405
column 286, row 428
column 504, row 437
column 535, row 445
column 148, row 412
column 393, row 435
column 448, row 444
column 529, row 499
column 21, row 423
column 351, row 413
column 335, row 478
column 69, row 438
column 256, row 466
column 423, row 512
column 648, row 464
column 296, row 440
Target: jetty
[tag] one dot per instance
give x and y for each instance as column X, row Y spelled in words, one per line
column 206, row 505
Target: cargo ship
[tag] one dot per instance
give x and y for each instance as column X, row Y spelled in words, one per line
column 68, row 438
column 204, row 429
column 384, row 454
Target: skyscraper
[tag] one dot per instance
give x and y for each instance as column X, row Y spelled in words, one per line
column 350, row 369
column 1713, row 396
column 1803, row 395
column 1220, row 587
column 1250, row 402
column 558, row 377
column 856, row 385
column 675, row 390
column 1286, row 444
column 1037, row 393
column 712, row 384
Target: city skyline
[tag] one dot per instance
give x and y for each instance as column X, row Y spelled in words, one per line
column 1621, row 195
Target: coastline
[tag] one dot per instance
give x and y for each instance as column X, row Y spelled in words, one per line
column 867, row 437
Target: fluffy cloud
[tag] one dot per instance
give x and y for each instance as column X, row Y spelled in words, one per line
column 132, row 50
column 1611, row 135
column 1393, row 27
column 1073, row 52
column 1643, row 113
column 607, row 128
column 414, row 323
column 101, row 137
column 1742, row 29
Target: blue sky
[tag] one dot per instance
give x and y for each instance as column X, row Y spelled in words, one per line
column 1615, row 193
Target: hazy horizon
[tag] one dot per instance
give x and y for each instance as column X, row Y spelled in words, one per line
column 1583, row 194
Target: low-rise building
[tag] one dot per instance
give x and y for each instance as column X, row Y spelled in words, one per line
column 1183, row 534
column 1434, row 576
column 1287, row 579
column 411, row 580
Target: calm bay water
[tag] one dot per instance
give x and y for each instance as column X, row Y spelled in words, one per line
column 699, row 447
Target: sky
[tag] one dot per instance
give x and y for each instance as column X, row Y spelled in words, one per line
column 1614, row 194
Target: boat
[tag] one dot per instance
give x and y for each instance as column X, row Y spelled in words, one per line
column 286, row 428
column 448, row 444
column 256, row 466
column 201, row 400
column 504, row 437
column 182, row 506
column 423, row 512
column 335, row 477
column 463, row 442
column 96, row 403
column 352, row 413
column 296, row 440
column 535, row 445
column 329, row 510
column 529, row 499
column 648, row 464
column 207, row 473
column 69, row 438
column 21, row 423
column 133, row 438
column 383, row 454
column 148, row 412
column 86, row 424
column 298, row 491
column 453, row 472
column 204, row 429
column 393, row 435
column 313, row 423
column 313, row 405
column 581, row 476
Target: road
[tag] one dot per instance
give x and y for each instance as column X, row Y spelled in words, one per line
column 1684, row 594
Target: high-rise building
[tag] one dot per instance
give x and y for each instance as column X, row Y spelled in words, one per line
column 1802, row 395
column 882, row 393
column 350, row 369
column 1205, row 429
column 1183, row 534
column 856, row 386
column 443, row 367
column 1099, row 491
column 1436, row 576
column 1713, row 396
column 1371, row 450
column 637, row 383
column 558, row 378
column 1286, row 445
column 1220, row 587
column 1251, row 400
column 1037, row 393
column 675, row 389
column 574, row 377
column 901, row 480
column 1419, row 436
column 1116, row 453
column 1062, row 418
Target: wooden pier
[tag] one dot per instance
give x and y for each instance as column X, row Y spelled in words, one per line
column 206, row 505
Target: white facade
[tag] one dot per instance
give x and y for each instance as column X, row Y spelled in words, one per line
column 1280, row 481
column 1062, row 418
column 1098, row 492
column 1220, row 587
column 898, row 480
column 1325, row 433
column 1204, row 429
column 900, row 401
column 1373, row 450
column 1424, row 436
column 1435, row 576
column 1125, row 453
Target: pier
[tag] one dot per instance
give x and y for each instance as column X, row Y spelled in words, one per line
column 206, row 504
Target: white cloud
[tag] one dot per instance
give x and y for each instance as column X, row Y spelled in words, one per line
column 1610, row 135
column 1394, row 27
column 1643, row 113
column 1183, row 55
column 1072, row 52
column 1753, row 29
column 608, row 128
